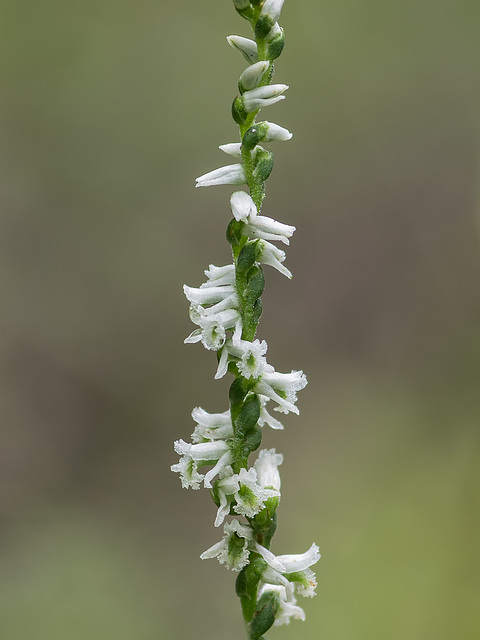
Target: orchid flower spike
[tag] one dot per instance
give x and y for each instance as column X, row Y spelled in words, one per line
column 225, row 311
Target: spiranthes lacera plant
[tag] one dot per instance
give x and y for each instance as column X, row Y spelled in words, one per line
column 226, row 310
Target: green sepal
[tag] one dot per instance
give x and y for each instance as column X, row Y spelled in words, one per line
column 246, row 585
column 238, row 111
column 234, row 231
column 264, row 165
column 263, row 26
column 265, row 614
column 247, row 256
column 265, row 523
column 275, row 47
column 248, row 416
column 255, row 284
column 253, row 438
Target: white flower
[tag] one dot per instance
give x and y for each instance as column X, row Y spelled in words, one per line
column 266, row 466
column 250, row 496
column 217, row 276
column 211, row 426
column 252, row 76
column 282, row 388
column 249, row 357
column 232, row 550
column 276, row 132
column 269, row 229
column 287, row 609
column 248, row 48
column 287, row 569
column 263, row 96
column 243, row 207
column 208, row 295
column 269, row 254
column 231, row 174
column 272, row 9
column 213, row 327
column 206, row 452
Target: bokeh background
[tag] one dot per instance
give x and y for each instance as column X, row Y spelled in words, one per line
column 110, row 109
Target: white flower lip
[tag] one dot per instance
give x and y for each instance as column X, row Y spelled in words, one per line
column 300, row 561
column 230, row 174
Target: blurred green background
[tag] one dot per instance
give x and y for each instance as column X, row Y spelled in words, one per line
column 109, row 111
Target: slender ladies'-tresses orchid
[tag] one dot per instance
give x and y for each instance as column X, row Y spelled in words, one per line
column 226, row 310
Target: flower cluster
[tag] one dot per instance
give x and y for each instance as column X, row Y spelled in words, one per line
column 226, row 309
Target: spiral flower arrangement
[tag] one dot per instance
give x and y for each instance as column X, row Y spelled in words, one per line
column 226, row 310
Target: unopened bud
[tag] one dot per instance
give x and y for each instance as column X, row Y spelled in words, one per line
column 252, row 76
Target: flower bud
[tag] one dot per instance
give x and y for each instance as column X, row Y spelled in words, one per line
column 248, row 48
column 252, row 76
column 231, row 174
column 242, row 206
column 275, row 42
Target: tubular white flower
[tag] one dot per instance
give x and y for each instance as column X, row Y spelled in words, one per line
column 269, row 254
column 269, row 229
column 276, row 132
column 208, row 295
column 252, row 76
column 211, row 426
column 287, row 610
column 266, row 466
column 263, row 96
column 232, row 550
column 282, row 388
column 230, row 174
column 287, row 569
column 272, row 9
column 243, row 207
column 206, row 452
column 217, row 276
column 300, row 561
column 248, row 48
